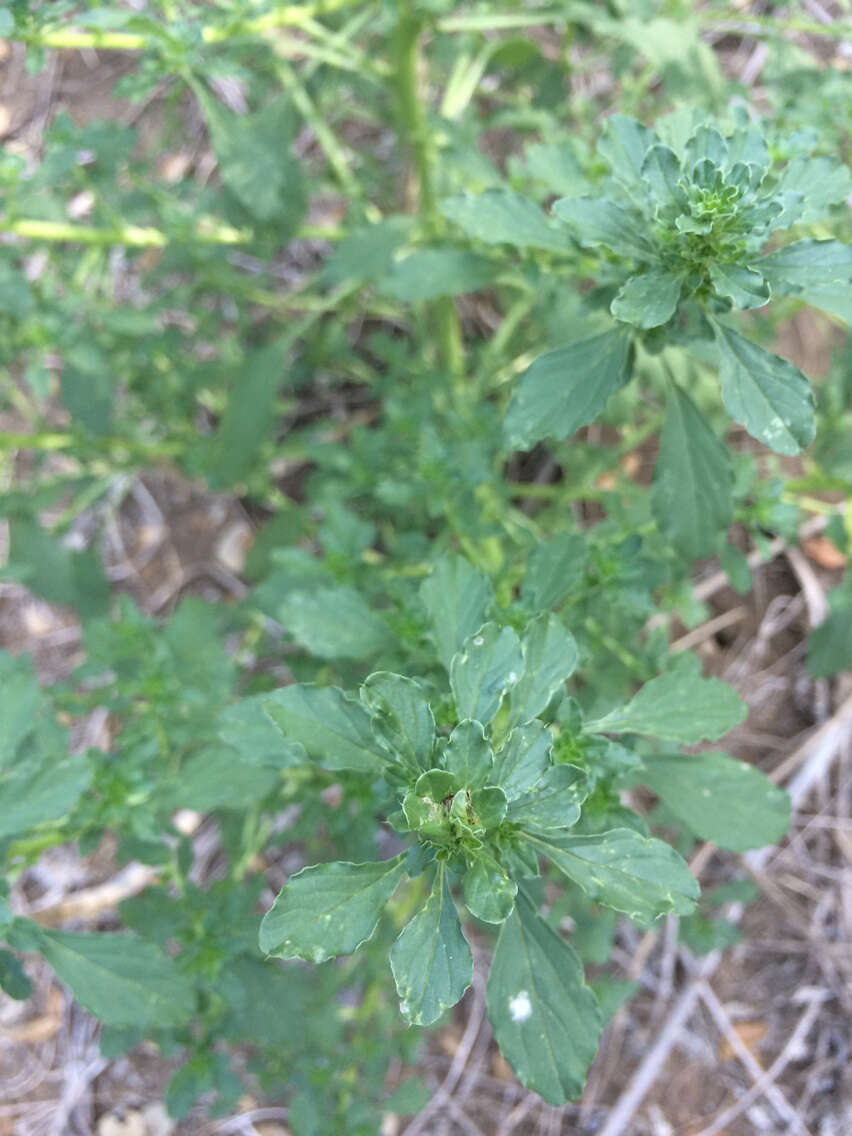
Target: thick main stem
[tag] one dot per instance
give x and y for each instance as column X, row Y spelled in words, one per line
column 415, row 126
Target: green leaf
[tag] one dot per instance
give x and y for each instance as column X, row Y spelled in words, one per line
column 367, row 253
column 693, row 479
column 489, row 893
column 568, row 388
column 402, row 719
column 720, row 799
column 255, row 160
column 830, row 644
column 553, row 802
column 648, row 300
column 549, row 657
column 706, row 143
column 56, row 573
column 13, row 980
column 119, row 979
column 216, row 778
column 661, row 171
column 554, row 569
column 457, row 597
column 639, row 875
column 467, row 755
column 247, row 728
column 546, row 1020
column 679, row 705
column 624, row 144
column 489, row 665
column 333, row 623
column 329, row 909
column 736, row 567
column 556, row 166
column 747, row 289
column 522, row 759
column 819, row 272
column 431, row 960
column 88, row 393
column 499, row 216
column 429, row 273
column 46, row 791
column 490, row 805
column 20, row 701
column 599, row 221
column 819, row 184
column 332, row 730
column 767, row 395
column 249, row 418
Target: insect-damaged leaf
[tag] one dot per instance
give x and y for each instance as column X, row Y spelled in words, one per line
column 639, row 875
column 546, row 1020
column 679, row 705
column 431, row 961
column 329, row 909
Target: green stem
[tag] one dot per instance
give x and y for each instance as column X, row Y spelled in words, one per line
column 73, row 39
column 415, row 126
column 133, row 236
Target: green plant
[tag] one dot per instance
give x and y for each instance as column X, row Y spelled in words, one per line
column 451, row 525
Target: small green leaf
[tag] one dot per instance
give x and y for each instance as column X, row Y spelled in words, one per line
column 546, row 1020
column 457, row 597
column 679, row 705
column 523, row 759
column 402, row 719
column 648, row 300
column 736, row 567
column 550, row 656
column 693, row 479
column 599, row 221
column 431, row 960
column 707, row 144
column 489, row 894
column 746, row 288
column 720, row 799
column 661, row 172
column 499, row 216
column 553, row 802
column 329, row 909
column 467, row 755
column 119, row 979
column 568, row 388
column 490, row 805
column 332, row 730
column 624, row 144
column 767, row 395
column 333, row 623
column 641, row 876
column 489, row 665
column 554, row 569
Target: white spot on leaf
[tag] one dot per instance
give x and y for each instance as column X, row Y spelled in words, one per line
column 520, row 1007
column 478, row 641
